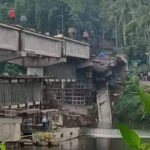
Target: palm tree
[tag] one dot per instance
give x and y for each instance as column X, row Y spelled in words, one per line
column 140, row 23
column 124, row 15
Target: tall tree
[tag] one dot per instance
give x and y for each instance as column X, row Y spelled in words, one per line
column 60, row 18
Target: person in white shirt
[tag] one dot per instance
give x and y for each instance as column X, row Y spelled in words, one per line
column 45, row 123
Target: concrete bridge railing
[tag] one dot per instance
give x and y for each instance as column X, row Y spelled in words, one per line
column 9, row 38
column 40, row 44
column 74, row 48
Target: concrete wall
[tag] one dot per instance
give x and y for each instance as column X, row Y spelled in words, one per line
column 35, row 71
column 40, row 44
column 62, row 71
column 9, row 37
column 73, row 48
column 67, row 133
column 10, row 129
column 60, row 135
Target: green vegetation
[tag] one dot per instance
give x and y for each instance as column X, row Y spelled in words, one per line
column 144, row 68
column 130, row 136
column 123, row 22
column 2, row 146
column 129, row 109
column 11, row 69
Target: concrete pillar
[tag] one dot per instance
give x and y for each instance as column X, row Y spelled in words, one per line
column 60, row 119
column 35, row 71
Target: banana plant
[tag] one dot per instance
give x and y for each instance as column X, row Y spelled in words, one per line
column 132, row 139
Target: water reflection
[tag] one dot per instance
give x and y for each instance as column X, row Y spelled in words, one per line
column 85, row 143
column 103, row 144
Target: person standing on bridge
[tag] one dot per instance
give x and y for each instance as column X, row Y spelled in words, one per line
column 85, row 36
column 12, row 13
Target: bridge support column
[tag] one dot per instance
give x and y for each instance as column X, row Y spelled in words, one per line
column 39, row 71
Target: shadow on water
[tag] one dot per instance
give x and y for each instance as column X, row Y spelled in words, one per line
column 86, row 143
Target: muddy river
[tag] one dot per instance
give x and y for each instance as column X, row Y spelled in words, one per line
column 86, row 143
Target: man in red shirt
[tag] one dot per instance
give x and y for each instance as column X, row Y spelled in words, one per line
column 12, row 13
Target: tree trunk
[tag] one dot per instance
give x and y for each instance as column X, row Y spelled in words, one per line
column 116, row 36
column 124, row 35
column 103, row 37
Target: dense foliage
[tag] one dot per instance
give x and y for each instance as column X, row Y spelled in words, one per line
column 125, row 23
column 130, row 137
column 8, row 69
column 129, row 109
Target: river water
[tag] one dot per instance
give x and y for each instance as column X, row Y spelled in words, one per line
column 85, row 143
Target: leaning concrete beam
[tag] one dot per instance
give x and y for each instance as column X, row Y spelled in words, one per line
column 104, row 109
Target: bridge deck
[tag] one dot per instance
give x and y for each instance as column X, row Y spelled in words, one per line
column 17, row 39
